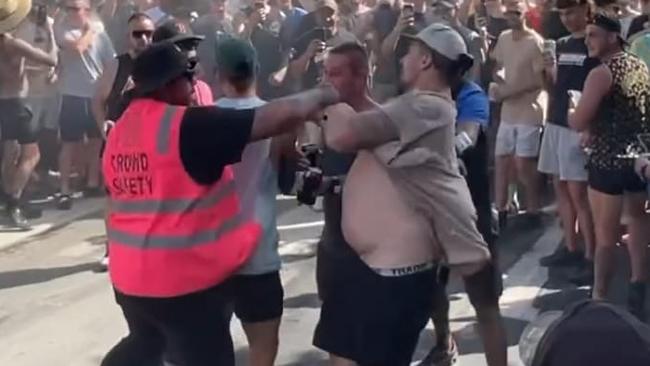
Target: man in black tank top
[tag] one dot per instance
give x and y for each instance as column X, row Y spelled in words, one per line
column 615, row 109
column 561, row 154
column 108, row 103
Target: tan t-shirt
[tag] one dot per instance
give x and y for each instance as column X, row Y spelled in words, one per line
column 522, row 61
column 423, row 169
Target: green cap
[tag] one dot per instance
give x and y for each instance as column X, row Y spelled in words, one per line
column 236, row 58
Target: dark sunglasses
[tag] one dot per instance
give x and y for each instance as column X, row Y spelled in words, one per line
column 137, row 34
column 75, row 9
column 516, row 13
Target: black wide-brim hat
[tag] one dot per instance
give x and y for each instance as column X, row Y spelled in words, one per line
column 160, row 64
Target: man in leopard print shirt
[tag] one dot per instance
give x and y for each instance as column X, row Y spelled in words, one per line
column 613, row 110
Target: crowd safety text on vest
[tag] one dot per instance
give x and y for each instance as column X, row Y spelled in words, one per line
column 132, row 174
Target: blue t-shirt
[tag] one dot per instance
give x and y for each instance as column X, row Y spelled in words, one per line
column 473, row 105
column 290, row 25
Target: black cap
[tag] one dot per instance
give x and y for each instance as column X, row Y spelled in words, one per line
column 173, row 31
column 236, row 58
column 608, row 24
column 158, row 65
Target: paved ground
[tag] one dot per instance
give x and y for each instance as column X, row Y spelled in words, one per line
column 55, row 310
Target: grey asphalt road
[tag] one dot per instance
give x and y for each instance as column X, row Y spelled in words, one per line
column 56, row 310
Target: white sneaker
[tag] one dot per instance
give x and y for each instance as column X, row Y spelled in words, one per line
column 103, row 263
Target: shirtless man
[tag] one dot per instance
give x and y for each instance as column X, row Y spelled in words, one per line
column 406, row 206
column 346, row 68
column 19, row 133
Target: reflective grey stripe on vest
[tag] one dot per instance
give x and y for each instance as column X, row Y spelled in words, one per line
column 164, row 131
column 172, row 241
column 178, row 205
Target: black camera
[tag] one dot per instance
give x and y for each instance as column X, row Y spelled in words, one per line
column 312, row 177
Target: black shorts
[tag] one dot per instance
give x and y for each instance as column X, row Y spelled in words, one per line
column 615, row 182
column 17, row 122
column 370, row 319
column 76, row 119
column 256, row 298
column 192, row 329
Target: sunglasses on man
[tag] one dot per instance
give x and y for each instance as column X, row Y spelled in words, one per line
column 137, row 34
column 76, row 9
column 515, row 13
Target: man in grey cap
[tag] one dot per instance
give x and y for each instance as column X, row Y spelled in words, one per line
column 419, row 210
column 447, row 12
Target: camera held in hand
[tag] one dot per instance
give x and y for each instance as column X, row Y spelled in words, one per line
column 310, row 180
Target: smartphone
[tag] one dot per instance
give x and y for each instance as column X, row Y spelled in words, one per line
column 408, row 9
column 322, row 34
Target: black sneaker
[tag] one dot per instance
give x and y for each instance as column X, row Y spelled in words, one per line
column 562, row 257
column 441, row 356
column 584, row 276
column 636, row 300
column 31, row 212
column 503, row 220
column 64, row 202
column 532, row 219
column 18, row 218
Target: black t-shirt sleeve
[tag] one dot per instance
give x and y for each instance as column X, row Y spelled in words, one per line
column 211, row 138
column 637, row 25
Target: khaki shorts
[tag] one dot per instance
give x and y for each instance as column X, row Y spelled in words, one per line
column 561, row 154
column 519, row 140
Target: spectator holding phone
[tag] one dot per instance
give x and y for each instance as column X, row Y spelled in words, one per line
column 318, row 30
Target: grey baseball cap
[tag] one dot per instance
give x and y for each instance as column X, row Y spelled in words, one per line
column 442, row 39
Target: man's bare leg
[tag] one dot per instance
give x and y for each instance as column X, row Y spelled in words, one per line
column 10, row 152
column 440, row 317
column 567, row 214
column 263, row 341
column 66, row 161
column 530, row 178
column 639, row 235
column 607, row 210
column 93, row 147
column 483, row 294
column 637, row 248
column 580, row 200
column 29, row 157
column 502, row 166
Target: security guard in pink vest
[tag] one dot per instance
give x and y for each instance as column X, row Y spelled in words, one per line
column 174, row 228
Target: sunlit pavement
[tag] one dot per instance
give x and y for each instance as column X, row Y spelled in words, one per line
column 56, row 310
